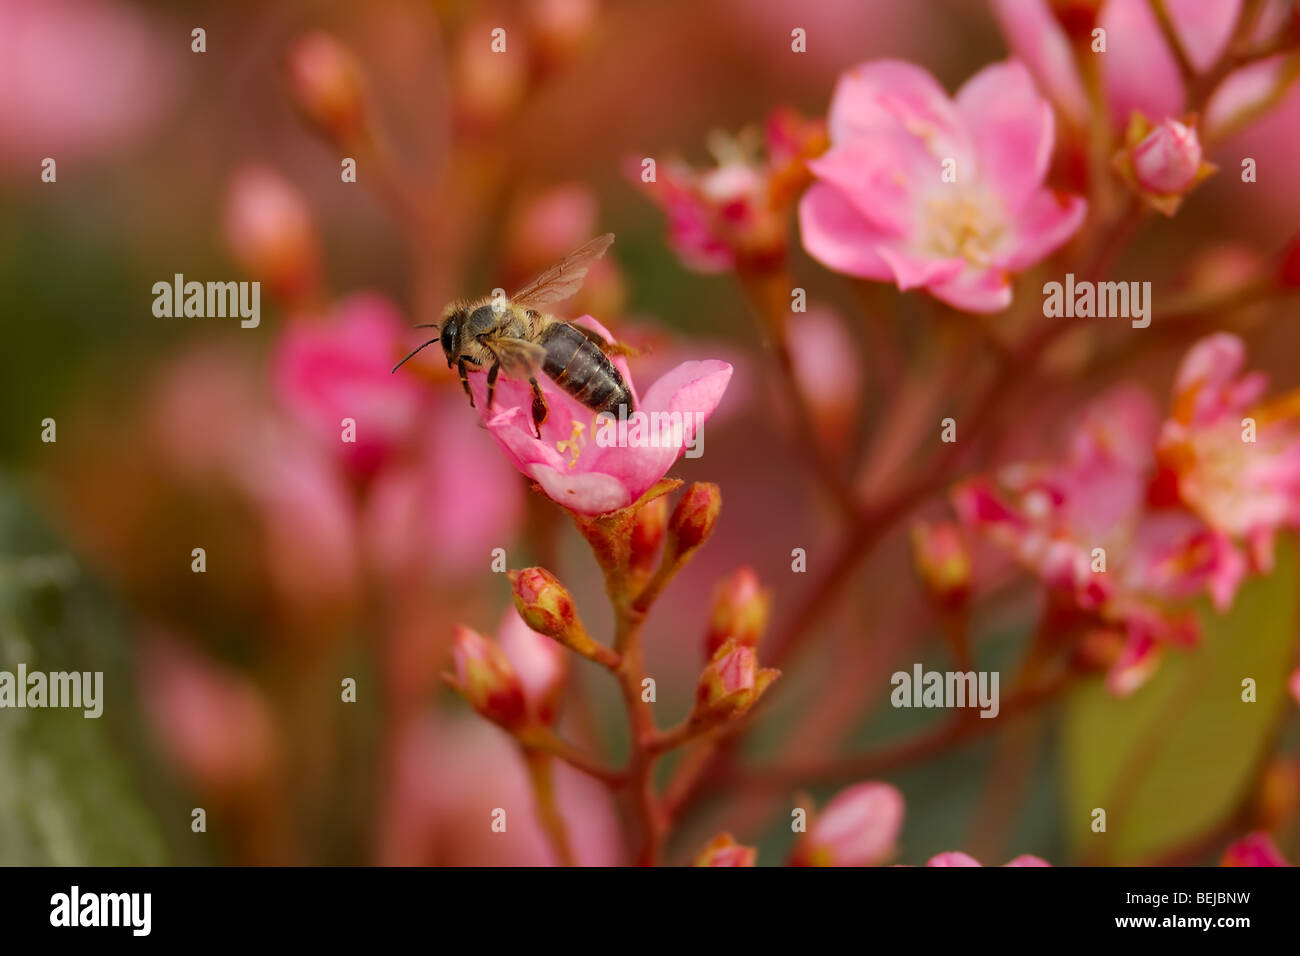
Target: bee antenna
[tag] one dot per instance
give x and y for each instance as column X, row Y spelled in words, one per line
column 413, row 354
column 426, row 325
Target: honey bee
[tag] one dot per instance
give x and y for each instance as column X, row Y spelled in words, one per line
column 514, row 336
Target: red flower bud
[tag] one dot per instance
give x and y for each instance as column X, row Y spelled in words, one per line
column 942, row 560
column 723, row 850
column 730, row 684
column 546, row 606
column 485, row 679
column 740, row 611
column 270, row 232
column 693, row 519
column 325, row 83
column 647, row 535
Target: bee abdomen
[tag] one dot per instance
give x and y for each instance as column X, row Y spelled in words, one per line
column 578, row 366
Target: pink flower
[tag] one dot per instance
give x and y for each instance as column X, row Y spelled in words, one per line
column 732, row 214
column 448, row 771
column 881, row 209
column 81, row 77
column 857, row 828
column 328, row 372
column 1254, row 849
column 214, row 724
column 1232, row 459
column 1085, row 528
column 540, row 663
column 584, row 465
column 442, row 510
column 1294, row 684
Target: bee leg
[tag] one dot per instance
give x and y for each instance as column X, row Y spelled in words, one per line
column 540, row 411
column 492, row 383
column 464, row 381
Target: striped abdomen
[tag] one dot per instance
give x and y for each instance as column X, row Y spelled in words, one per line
column 578, row 366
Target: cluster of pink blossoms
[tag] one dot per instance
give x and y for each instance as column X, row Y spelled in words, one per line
column 1139, row 516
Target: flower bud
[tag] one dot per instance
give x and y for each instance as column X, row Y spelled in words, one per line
column 270, row 232
column 325, row 83
column 723, row 850
column 858, row 828
column 540, row 663
column 1168, row 159
column 546, row 607
column 647, row 534
column 730, row 684
column 560, row 28
column 693, row 519
column 942, row 560
column 485, row 679
column 1163, row 163
column 740, row 611
column 1254, row 849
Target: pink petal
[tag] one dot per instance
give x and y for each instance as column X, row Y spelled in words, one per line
column 953, row 858
column 1026, row 859
column 975, row 290
column 911, row 271
column 1037, row 38
column 888, row 95
column 1138, row 70
column 880, row 176
column 1013, row 130
column 587, row 493
column 1046, row 222
column 1204, row 28
column 838, row 236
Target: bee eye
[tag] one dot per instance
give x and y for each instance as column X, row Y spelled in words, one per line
column 450, row 332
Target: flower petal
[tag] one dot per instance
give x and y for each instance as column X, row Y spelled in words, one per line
column 1139, row 71
column 888, row 95
column 838, row 236
column 1046, row 222
column 1013, row 129
column 975, row 290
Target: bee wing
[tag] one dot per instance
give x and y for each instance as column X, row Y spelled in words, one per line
column 565, row 277
column 519, row 358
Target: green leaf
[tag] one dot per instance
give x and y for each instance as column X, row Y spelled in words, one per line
column 1173, row 761
column 69, row 785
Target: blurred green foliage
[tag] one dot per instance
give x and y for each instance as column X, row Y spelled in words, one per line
column 70, row 786
column 1173, row 762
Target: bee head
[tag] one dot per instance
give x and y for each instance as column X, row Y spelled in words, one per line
column 450, row 334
